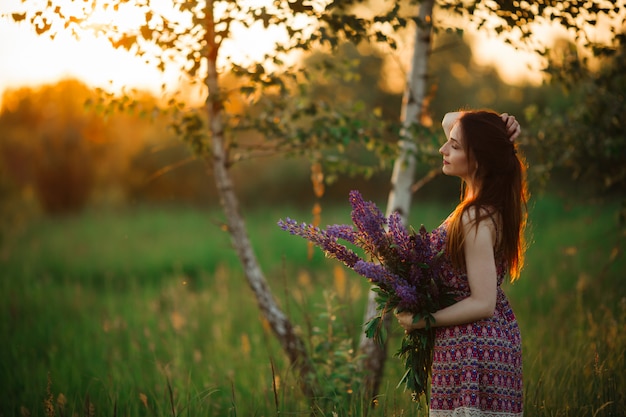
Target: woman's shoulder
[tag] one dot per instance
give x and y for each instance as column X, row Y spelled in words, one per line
column 476, row 214
column 476, row 217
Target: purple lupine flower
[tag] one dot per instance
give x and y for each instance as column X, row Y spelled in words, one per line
column 376, row 273
column 369, row 221
column 400, row 236
column 406, row 270
column 405, row 257
column 321, row 238
column 307, row 231
column 407, row 274
column 287, row 224
column 342, row 231
column 408, row 296
column 336, row 250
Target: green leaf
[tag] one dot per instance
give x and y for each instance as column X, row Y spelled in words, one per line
column 371, row 327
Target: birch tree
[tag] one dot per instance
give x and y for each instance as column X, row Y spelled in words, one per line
column 403, row 175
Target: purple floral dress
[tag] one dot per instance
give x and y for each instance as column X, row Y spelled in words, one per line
column 477, row 367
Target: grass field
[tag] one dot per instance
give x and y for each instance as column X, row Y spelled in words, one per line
column 145, row 312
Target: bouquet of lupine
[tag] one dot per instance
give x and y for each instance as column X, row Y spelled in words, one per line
column 403, row 269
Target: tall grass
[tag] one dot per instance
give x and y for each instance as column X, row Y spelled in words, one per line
column 146, row 312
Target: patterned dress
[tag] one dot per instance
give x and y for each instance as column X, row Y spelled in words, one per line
column 477, row 367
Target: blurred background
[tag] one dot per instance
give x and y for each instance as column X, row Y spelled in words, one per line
column 118, row 278
column 62, row 157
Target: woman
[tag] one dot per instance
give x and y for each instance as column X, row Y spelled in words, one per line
column 477, row 360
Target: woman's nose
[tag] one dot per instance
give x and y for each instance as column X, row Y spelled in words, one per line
column 441, row 150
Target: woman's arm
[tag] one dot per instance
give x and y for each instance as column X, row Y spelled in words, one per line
column 449, row 120
column 512, row 125
column 482, row 276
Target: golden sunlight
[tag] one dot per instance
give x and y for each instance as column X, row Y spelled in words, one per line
column 27, row 59
column 514, row 66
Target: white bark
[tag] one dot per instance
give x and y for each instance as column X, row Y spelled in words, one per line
column 291, row 343
column 403, row 174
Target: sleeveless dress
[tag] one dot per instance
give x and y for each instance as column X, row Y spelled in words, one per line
column 477, row 367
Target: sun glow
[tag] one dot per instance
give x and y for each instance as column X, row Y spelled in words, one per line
column 516, row 66
column 28, row 59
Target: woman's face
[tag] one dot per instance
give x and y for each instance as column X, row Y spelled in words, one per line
column 455, row 160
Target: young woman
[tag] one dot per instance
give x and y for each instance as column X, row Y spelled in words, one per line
column 477, row 363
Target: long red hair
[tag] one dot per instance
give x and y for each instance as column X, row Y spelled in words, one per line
column 502, row 193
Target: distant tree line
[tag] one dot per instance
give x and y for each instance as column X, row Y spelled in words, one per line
column 69, row 156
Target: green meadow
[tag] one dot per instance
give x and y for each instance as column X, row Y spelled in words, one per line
column 146, row 312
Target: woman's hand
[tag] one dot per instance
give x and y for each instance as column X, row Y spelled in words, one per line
column 405, row 319
column 513, row 127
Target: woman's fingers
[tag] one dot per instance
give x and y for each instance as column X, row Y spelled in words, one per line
column 405, row 320
column 513, row 127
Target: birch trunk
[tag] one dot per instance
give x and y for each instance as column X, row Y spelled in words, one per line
column 291, row 343
column 402, row 177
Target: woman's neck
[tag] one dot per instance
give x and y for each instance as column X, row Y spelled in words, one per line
column 470, row 190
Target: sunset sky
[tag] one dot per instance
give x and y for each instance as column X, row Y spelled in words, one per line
column 28, row 59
